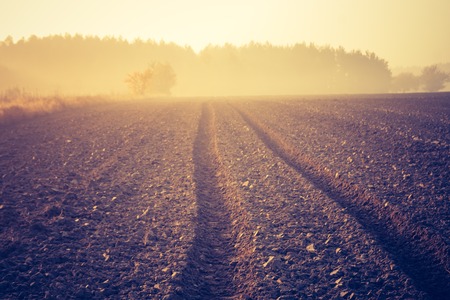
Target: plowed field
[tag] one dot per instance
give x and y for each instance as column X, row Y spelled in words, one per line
column 249, row 198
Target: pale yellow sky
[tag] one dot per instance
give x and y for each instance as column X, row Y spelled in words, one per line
column 404, row 32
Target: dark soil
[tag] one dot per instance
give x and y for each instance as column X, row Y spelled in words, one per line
column 342, row 198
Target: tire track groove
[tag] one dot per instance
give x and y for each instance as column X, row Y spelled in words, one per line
column 422, row 254
column 218, row 264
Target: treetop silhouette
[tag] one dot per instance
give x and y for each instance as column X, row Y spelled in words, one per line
column 89, row 64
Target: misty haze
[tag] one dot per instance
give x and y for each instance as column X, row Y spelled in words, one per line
column 219, row 165
column 92, row 65
column 74, row 66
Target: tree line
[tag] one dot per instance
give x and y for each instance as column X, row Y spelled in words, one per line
column 90, row 64
column 431, row 79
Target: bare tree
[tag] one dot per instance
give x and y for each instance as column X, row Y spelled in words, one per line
column 138, row 82
column 157, row 79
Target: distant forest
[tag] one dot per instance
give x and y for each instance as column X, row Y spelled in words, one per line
column 75, row 64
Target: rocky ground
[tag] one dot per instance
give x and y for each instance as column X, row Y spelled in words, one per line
column 280, row 198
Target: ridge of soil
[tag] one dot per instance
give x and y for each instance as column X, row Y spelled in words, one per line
column 228, row 199
column 398, row 150
column 424, row 255
column 100, row 208
column 307, row 246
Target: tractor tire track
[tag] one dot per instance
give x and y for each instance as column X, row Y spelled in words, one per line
column 400, row 159
column 422, row 254
column 218, row 264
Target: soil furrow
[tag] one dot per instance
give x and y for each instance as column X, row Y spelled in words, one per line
column 209, row 270
column 134, row 139
column 107, row 240
column 305, row 242
column 423, row 255
column 400, row 160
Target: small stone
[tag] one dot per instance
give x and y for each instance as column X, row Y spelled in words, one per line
column 343, row 294
column 334, row 272
column 268, row 261
column 310, row 248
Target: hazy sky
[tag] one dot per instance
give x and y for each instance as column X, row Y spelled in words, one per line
column 404, row 32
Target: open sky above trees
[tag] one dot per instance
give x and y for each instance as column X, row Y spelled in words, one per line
column 403, row 32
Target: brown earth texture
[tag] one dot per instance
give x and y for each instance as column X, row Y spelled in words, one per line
column 344, row 197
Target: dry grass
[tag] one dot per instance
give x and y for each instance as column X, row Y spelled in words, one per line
column 17, row 104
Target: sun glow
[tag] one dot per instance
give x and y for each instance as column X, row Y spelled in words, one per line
column 218, row 48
